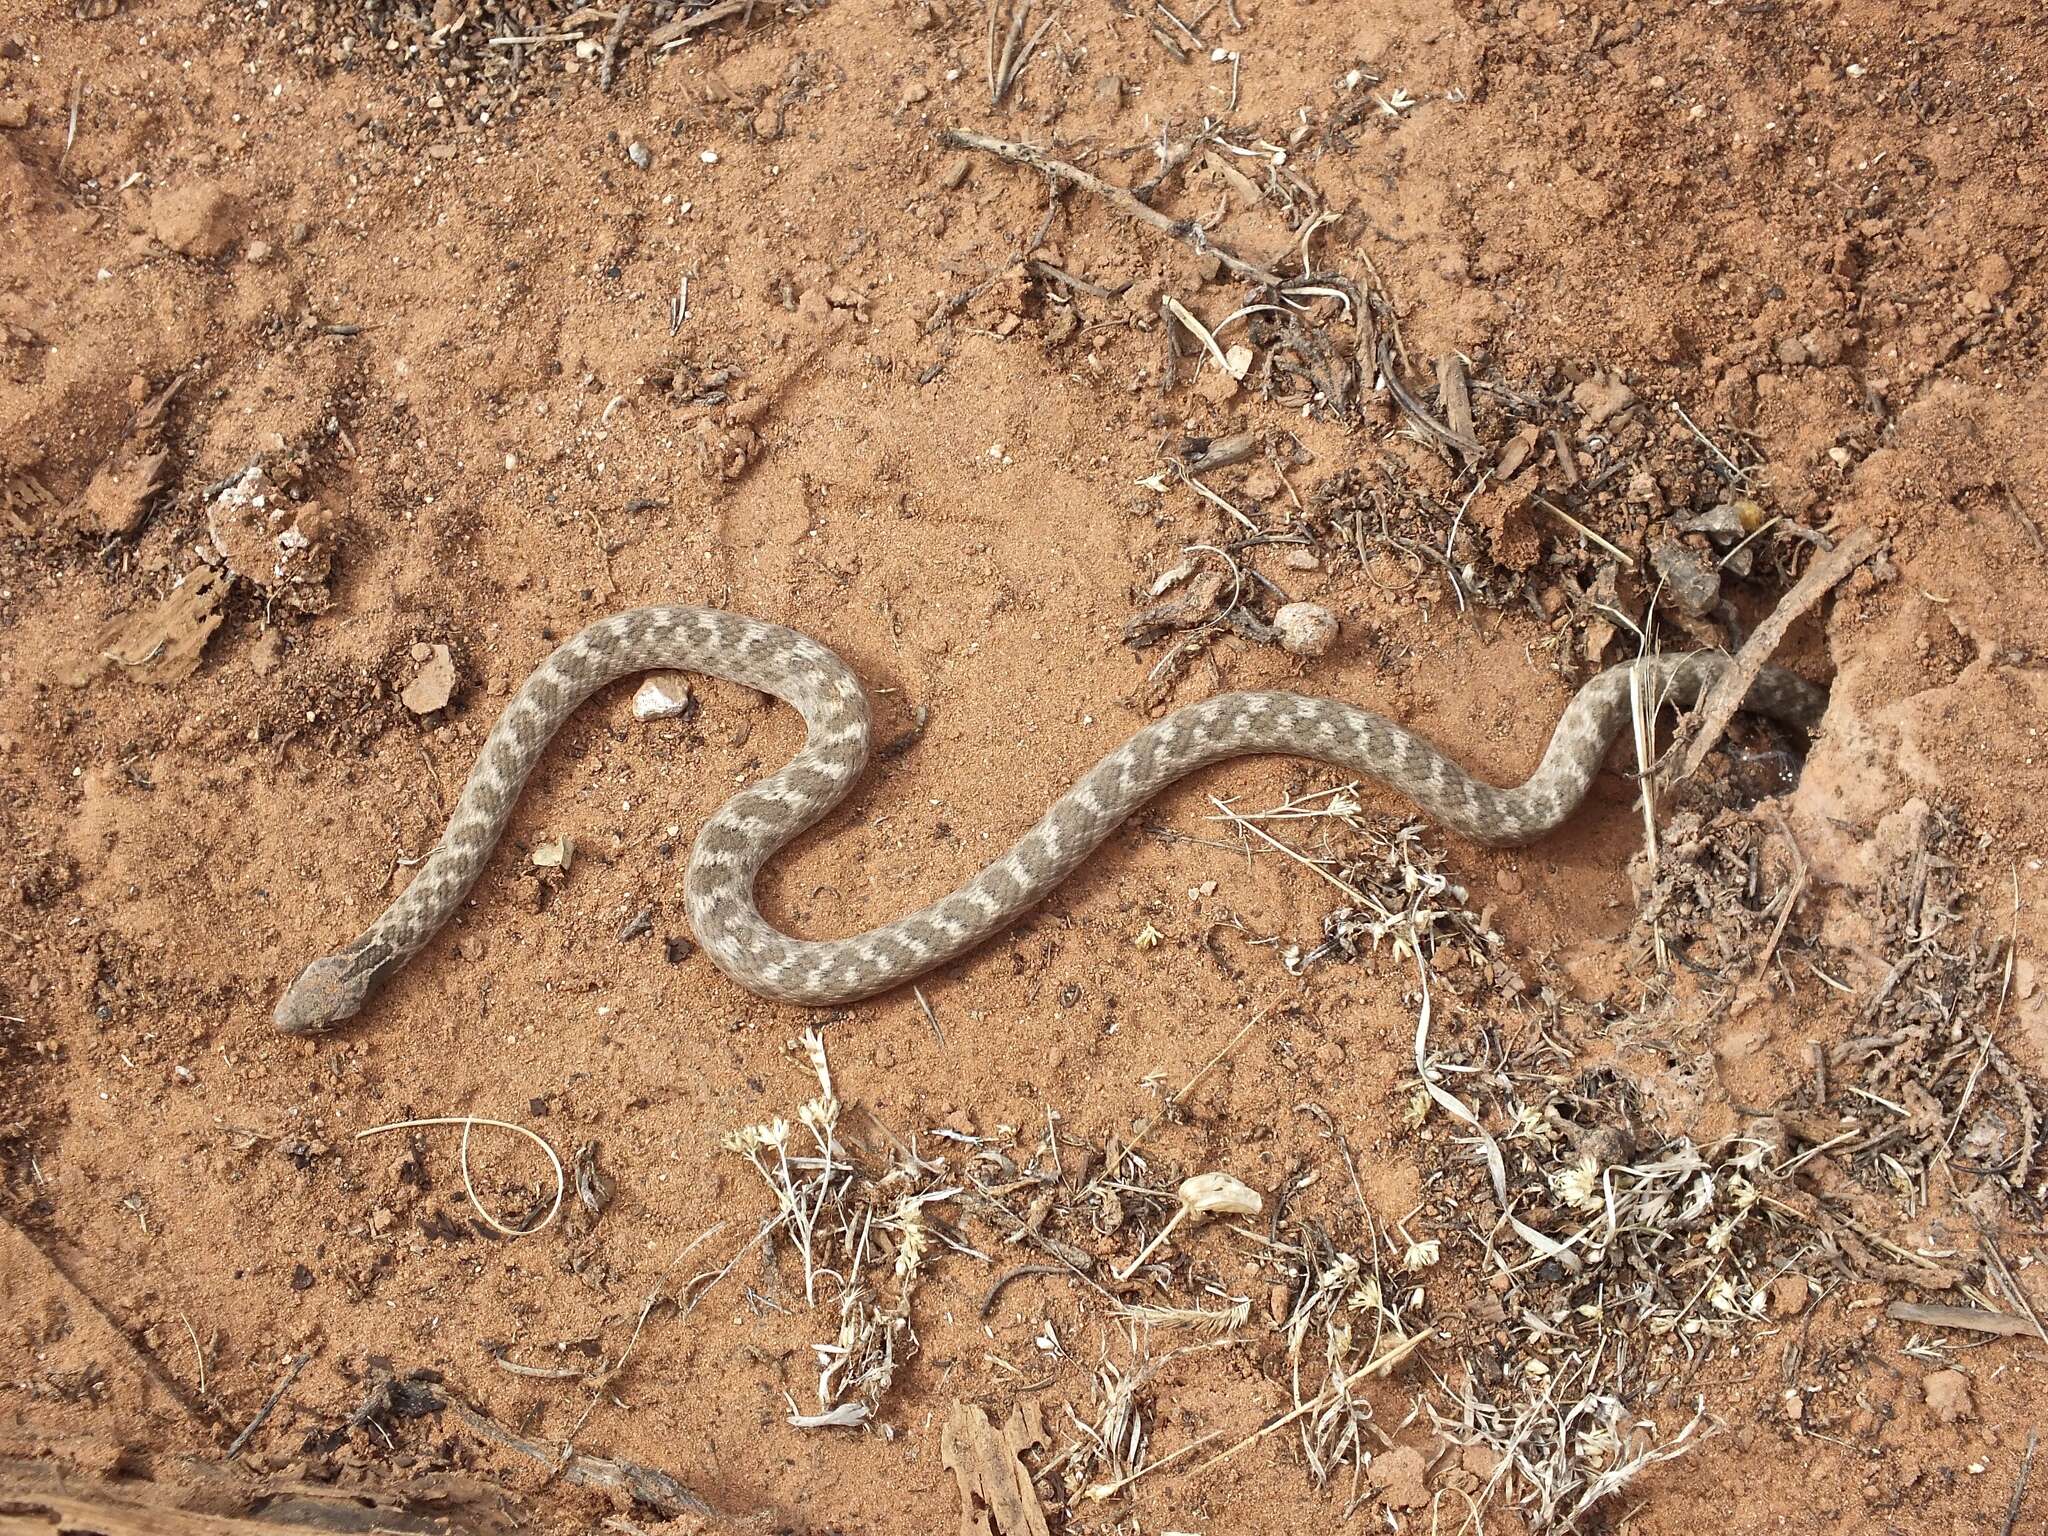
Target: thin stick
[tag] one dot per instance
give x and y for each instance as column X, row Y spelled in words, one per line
column 1639, row 717
column 198, row 1354
column 1120, row 198
column 71, row 130
column 1302, row 859
column 650, row 1485
column 1725, row 695
column 611, row 44
column 1627, row 562
column 269, row 1405
column 1111, row 1166
column 1111, row 1490
column 1740, row 477
column 2019, row 1489
column 999, row 82
column 1330, row 1393
column 2002, row 1325
column 930, row 1017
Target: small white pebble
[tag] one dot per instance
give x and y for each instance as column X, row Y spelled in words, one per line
column 656, row 702
column 1305, row 629
column 709, row 156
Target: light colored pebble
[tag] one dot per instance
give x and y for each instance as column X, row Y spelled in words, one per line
column 1305, row 629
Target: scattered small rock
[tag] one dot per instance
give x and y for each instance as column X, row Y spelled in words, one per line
column 433, row 687
column 256, row 252
column 282, row 546
column 640, row 155
column 1948, row 1396
column 1992, row 276
column 195, row 220
column 1603, row 397
column 1789, row 1293
column 1397, row 1477
column 1692, row 582
column 1216, row 386
column 127, row 482
column 1261, row 484
column 1195, row 598
column 664, row 697
column 13, row 114
column 1305, row 629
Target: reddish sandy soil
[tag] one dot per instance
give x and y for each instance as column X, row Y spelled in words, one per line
column 435, row 300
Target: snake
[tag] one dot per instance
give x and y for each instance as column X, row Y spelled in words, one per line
column 756, row 823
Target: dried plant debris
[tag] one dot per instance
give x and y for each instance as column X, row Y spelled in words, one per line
column 1924, row 1079
column 1920, row 1076
column 162, row 643
column 1717, row 891
column 1398, row 894
column 1341, row 1312
column 128, row 481
column 1559, row 1446
column 858, row 1229
column 996, row 1493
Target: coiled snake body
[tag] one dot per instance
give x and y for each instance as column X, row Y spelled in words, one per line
column 752, row 826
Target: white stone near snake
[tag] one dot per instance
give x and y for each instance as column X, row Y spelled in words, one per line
column 756, row 823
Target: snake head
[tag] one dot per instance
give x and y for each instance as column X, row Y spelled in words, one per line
column 331, row 989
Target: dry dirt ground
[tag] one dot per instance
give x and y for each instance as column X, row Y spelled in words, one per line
column 1594, row 327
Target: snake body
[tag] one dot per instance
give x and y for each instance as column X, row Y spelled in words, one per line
column 752, row 826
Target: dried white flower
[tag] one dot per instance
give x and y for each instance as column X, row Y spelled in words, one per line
column 1578, row 1186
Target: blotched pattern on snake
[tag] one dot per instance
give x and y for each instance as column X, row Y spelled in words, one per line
column 752, row 826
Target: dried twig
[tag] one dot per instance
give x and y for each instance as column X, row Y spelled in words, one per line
column 1729, row 689
column 656, row 1489
column 269, row 1405
column 1976, row 1319
column 2019, row 1488
column 468, row 1124
column 1120, row 198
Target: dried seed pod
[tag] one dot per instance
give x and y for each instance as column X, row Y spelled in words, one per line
column 1202, row 1194
column 1205, row 1194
